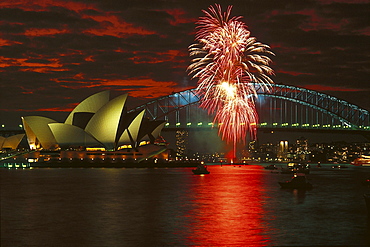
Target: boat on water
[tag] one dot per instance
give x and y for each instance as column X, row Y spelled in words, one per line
column 339, row 166
column 296, row 167
column 366, row 182
column 364, row 160
column 298, row 181
column 201, row 169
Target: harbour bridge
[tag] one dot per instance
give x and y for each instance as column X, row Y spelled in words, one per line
column 281, row 108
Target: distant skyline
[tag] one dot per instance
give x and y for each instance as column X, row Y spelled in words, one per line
column 55, row 53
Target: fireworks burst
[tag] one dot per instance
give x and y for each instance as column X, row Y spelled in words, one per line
column 227, row 62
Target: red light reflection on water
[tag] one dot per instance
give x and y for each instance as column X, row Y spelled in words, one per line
column 228, row 208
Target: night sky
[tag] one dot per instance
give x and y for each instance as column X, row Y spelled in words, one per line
column 55, row 53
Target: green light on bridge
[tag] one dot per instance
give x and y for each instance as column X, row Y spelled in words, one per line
column 338, row 126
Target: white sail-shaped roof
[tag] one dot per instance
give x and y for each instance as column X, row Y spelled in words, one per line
column 37, row 130
column 70, row 135
column 133, row 128
column 124, row 139
column 12, row 142
column 2, row 139
column 91, row 104
column 95, row 122
column 145, row 138
column 157, row 131
column 104, row 124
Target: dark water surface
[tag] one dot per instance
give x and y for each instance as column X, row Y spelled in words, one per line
column 232, row 206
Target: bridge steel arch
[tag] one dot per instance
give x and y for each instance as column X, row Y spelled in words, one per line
column 283, row 106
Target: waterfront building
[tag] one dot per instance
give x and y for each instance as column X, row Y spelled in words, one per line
column 302, row 149
column 283, row 150
column 97, row 125
column 181, row 143
column 10, row 142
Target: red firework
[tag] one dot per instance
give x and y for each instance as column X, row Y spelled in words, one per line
column 227, row 62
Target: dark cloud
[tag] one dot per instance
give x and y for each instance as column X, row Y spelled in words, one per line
column 54, row 54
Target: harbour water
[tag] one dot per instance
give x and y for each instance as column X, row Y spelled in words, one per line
column 232, row 206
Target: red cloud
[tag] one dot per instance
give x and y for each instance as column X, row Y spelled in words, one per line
column 314, row 20
column 110, row 24
column 25, row 65
column 293, row 73
column 143, row 87
column 149, row 88
column 63, row 109
column 4, row 42
column 342, row 1
column 179, row 14
column 44, row 31
column 114, row 26
column 159, row 57
column 42, row 5
column 291, row 49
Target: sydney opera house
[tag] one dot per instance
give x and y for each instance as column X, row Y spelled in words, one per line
column 97, row 129
column 10, row 142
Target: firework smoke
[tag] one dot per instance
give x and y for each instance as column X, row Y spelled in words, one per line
column 227, row 62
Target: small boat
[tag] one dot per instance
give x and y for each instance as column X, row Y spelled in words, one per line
column 364, row 160
column 296, row 167
column 271, row 167
column 298, row 181
column 339, row 167
column 366, row 182
column 201, row 169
